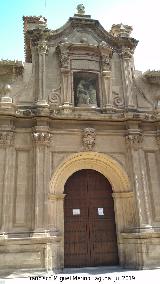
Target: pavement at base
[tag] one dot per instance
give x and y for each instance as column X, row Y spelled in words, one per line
column 92, row 275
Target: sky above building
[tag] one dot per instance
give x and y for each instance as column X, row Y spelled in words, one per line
column 142, row 15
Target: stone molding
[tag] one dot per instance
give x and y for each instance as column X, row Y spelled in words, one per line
column 7, row 138
column 89, row 138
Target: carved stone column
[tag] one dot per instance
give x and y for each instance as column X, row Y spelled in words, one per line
column 56, row 211
column 158, row 136
column 41, row 140
column 56, row 223
column 134, row 142
column 42, row 51
column 63, row 51
column 127, row 75
column 125, row 214
column 7, row 178
column 106, row 53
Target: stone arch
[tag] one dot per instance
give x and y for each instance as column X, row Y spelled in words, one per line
column 102, row 163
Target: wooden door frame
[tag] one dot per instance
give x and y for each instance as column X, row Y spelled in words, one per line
column 124, row 202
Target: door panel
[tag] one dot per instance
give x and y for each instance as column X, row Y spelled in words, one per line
column 89, row 221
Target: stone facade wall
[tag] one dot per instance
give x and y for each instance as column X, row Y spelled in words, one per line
column 46, row 134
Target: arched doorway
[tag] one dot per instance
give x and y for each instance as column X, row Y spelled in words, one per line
column 89, row 221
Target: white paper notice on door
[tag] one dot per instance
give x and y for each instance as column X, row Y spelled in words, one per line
column 76, row 211
column 100, row 211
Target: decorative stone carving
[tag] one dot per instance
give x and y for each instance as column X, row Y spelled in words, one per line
column 54, row 97
column 106, row 63
column 6, row 138
column 152, row 77
column 121, row 30
column 42, row 47
column 134, row 140
column 117, row 100
column 126, row 53
column 42, row 138
column 80, row 9
column 64, row 54
column 89, row 137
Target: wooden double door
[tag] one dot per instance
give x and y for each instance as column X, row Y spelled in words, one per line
column 89, row 221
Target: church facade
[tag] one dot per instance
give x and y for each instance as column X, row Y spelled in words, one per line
column 80, row 150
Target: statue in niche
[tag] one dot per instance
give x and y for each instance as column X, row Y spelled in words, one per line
column 86, row 93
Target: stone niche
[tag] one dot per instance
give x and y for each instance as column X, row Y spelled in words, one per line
column 86, row 89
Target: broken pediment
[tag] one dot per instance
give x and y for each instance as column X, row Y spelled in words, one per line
column 83, row 36
column 82, row 29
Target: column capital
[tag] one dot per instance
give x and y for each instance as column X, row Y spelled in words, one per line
column 42, row 47
column 127, row 194
column 134, row 140
column 126, row 53
column 56, row 196
column 41, row 135
column 6, row 138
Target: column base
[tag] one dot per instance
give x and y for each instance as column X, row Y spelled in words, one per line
column 42, row 103
column 30, row 254
column 142, row 229
column 3, row 236
column 141, row 250
column 42, row 107
column 67, row 107
column 7, row 105
column 40, row 234
column 108, row 108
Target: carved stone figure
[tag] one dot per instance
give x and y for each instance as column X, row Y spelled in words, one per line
column 82, row 93
column 86, row 93
column 92, row 94
column 89, row 137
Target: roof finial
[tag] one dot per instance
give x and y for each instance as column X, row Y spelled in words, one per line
column 80, row 9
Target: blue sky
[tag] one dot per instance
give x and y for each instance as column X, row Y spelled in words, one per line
column 143, row 15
